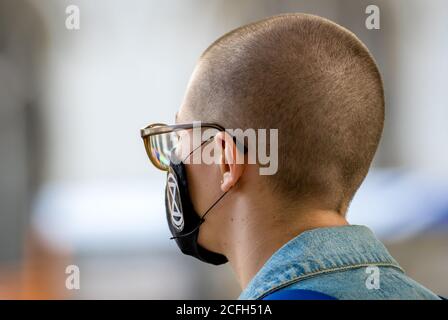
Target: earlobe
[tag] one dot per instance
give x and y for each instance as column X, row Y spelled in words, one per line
column 227, row 181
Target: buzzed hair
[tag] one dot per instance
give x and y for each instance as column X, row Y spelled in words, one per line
column 311, row 79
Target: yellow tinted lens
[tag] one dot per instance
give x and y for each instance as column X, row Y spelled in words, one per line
column 162, row 146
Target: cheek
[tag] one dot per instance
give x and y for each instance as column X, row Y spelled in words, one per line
column 203, row 184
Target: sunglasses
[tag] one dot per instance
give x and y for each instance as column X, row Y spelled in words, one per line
column 163, row 142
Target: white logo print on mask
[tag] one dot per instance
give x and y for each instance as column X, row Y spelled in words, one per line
column 174, row 204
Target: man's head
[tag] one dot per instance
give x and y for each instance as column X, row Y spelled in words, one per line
column 312, row 80
column 319, row 86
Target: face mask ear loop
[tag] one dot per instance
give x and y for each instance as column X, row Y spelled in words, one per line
column 204, row 142
column 202, row 218
column 211, row 207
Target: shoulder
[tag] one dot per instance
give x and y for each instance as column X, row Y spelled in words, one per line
column 366, row 283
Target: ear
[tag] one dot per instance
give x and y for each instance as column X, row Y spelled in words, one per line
column 231, row 169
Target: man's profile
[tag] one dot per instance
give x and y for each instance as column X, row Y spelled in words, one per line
column 318, row 85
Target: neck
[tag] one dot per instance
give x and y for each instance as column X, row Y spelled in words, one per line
column 257, row 232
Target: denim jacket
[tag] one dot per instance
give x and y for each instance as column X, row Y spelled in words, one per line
column 346, row 262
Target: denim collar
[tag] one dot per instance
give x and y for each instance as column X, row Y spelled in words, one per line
column 318, row 251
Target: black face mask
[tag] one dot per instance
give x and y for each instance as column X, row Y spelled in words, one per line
column 183, row 220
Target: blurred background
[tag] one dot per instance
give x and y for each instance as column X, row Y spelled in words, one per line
column 77, row 188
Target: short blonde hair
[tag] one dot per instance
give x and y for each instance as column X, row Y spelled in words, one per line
column 311, row 79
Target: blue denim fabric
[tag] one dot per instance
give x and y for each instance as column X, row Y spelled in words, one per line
column 335, row 261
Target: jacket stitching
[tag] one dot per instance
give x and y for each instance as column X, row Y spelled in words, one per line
column 312, row 274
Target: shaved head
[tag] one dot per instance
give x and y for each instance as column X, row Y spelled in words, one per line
column 312, row 80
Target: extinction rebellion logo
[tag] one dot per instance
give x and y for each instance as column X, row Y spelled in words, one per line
column 174, row 204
